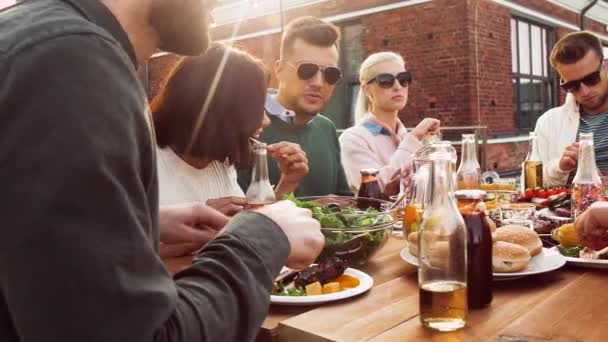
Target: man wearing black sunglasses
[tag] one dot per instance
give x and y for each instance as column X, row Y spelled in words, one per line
column 578, row 59
column 307, row 72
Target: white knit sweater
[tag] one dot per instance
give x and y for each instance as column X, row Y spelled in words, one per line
column 179, row 182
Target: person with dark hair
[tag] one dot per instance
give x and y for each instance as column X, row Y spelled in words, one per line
column 578, row 59
column 307, row 72
column 81, row 222
column 201, row 138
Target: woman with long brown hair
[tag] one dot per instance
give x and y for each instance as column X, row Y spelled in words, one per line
column 204, row 118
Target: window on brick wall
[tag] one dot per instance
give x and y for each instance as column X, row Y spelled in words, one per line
column 342, row 104
column 533, row 87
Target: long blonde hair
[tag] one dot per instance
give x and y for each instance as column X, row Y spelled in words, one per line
column 363, row 105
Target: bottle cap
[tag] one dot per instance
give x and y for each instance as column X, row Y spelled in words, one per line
column 470, row 194
column 369, row 172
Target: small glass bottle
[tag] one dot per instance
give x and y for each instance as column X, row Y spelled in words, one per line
column 479, row 247
column 468, row 175
column 442, row 253
column 587, row 185
column 369, row 188
column 533, row 165
column 260, row 192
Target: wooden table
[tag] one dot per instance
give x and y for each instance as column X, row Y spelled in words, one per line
column 570, row 304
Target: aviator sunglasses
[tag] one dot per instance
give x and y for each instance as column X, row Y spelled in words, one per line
column 387, row 81
column 306, row 71
column 589, row 80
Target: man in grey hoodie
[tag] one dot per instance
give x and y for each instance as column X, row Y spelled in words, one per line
column 79, row 201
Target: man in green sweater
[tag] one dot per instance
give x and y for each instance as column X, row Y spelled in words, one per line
column 307, row 73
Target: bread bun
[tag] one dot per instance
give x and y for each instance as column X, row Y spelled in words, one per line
column 508, row 257
column 520, row 235
column 412, row 243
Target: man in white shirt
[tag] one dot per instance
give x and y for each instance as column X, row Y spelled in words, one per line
column 578, row 59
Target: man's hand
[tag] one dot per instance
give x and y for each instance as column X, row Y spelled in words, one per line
column 229, row 206
column 569, row 158
column 592, row 226
column 189, row 223
column 302, row 231
column 292, row 161
column 425, row 128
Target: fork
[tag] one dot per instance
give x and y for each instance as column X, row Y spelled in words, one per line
column 588, row 253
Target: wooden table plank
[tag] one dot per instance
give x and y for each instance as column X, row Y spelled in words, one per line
column 512, row 299
column 578, row 312
column 382, row 308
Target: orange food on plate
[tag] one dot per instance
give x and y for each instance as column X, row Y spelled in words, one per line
column 347, row 282
column 332, row 287
column 314, row 289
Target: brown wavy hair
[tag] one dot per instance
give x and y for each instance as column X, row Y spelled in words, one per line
column 574, row 46
column 233, row 114
column 310, row 29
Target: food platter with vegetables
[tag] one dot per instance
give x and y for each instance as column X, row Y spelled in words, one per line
column 574, row 251
column 327, row 281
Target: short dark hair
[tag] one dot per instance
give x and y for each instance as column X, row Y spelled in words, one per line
column 574, row 46
column 234, row 113
column 312, row 30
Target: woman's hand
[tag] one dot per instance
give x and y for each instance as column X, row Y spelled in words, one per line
column 425, row 128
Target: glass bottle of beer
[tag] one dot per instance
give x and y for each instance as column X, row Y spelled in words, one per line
column 468, row 175
column 533, row 165
column 260, row 192
column 479, row 248
column 587, row 184
column 442, row 254
column 370, row 188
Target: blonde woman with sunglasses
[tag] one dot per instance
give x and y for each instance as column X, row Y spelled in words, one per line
column 379, row 140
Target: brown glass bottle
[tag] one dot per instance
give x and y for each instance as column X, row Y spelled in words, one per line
column 370, row 188
column 479, row 248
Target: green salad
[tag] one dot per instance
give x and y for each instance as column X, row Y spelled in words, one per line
column 573, row 252
column 344, row 224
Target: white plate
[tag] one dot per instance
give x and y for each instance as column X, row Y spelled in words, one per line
column 546, row 261
column 548, row 213
column 365, row 283
column 590, row 263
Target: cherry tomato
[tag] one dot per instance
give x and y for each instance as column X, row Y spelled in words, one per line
column 541, row 193
column 551, row 192
column 528, row 193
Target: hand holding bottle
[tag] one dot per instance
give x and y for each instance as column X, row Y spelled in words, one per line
column 569, row 157
column 426, row 127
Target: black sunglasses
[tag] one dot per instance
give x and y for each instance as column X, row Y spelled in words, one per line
column 589, row 80
column 306, row 71
column 387, row 81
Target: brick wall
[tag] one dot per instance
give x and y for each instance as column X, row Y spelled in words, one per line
column 459, row 51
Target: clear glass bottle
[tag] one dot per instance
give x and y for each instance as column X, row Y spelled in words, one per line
column 533, row 165
column 468, row 175
column 587, row 185
column 369, row 188
column 442, row 253
column 260, row 192
column 479, row 247
column 446, row 146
